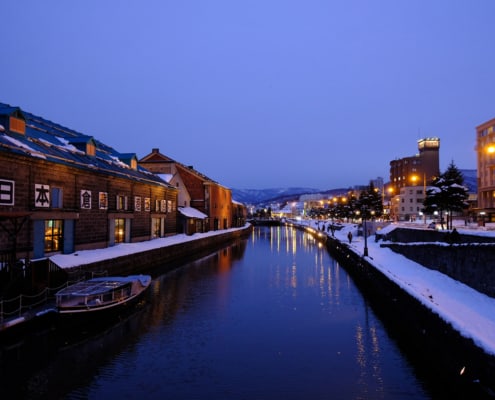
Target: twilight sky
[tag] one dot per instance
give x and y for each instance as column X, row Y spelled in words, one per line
column 262, row 93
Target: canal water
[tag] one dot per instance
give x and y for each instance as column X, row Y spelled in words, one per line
column 270, row 317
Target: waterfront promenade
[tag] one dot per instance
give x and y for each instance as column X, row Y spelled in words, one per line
column 468, row 311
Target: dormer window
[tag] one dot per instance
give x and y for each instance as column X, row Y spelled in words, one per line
column 91, row 149
column 17, row 125
column 84, row 143
column 130, row 159
column 12, row 119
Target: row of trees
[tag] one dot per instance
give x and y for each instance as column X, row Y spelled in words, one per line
column 368, row 205
column 446, row 194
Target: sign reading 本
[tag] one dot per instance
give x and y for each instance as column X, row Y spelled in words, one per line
column 41, row 195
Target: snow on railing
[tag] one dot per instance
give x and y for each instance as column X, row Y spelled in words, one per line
column 17, row 306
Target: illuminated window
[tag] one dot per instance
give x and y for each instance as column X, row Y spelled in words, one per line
column 119, row 230
column 53, row 235
column 90, row 149
column 17, row 125
column 156, row 227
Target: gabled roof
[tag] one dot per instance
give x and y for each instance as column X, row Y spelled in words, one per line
column 156, row 156
column 5, row 109
column 55, row 143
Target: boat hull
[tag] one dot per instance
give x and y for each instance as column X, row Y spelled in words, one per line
column 101, row 296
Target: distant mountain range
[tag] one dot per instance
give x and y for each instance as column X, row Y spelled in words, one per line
column 279, row 195
column 470, row 179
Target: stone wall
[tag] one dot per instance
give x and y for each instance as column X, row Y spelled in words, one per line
column 470, row 263
column 165, row 258
column 422, row 334
column 405, row 235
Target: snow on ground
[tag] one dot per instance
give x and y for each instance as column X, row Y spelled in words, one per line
column 467, row 310
column 84, row 257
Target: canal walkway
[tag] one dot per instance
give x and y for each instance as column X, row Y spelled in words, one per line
column 468, row 311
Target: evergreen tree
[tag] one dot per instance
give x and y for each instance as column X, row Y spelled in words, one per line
column 370, row 202
column 447, row 194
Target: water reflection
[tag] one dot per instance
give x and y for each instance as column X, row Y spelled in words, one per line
column 271, row 317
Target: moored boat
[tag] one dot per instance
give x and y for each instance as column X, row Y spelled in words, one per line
column 103, row 293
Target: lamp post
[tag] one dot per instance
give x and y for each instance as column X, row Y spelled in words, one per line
column 365, row 253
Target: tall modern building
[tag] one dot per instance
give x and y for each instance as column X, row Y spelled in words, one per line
column 485, row 149
column 420, row 169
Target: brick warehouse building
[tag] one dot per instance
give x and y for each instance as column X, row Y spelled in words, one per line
column 62, row 191
column 198, row 192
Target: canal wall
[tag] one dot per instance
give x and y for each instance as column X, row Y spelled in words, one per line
column 471, row 263
column 423, row 336
column 469, row 259
column 163, row 258
column 428, row 339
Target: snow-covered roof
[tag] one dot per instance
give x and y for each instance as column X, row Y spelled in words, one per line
column 58, row 144
column 191, row 212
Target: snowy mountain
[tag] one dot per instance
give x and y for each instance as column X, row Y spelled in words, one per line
column 260, row 196
column 470, row 179
column 257, row 196
column 280, row 195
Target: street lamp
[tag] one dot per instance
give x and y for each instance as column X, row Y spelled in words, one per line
column 365, row 254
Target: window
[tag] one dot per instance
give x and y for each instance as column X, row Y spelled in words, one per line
column 119, row 230
column 17, row 125
column 53, row 235
column 121, row 202
column 56, row 198
column 156, row 227
column 90, row 149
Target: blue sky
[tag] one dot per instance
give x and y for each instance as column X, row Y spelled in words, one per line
column 259, row 94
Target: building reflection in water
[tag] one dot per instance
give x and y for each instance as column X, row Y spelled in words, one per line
column 329, row 283
column 281, row 320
